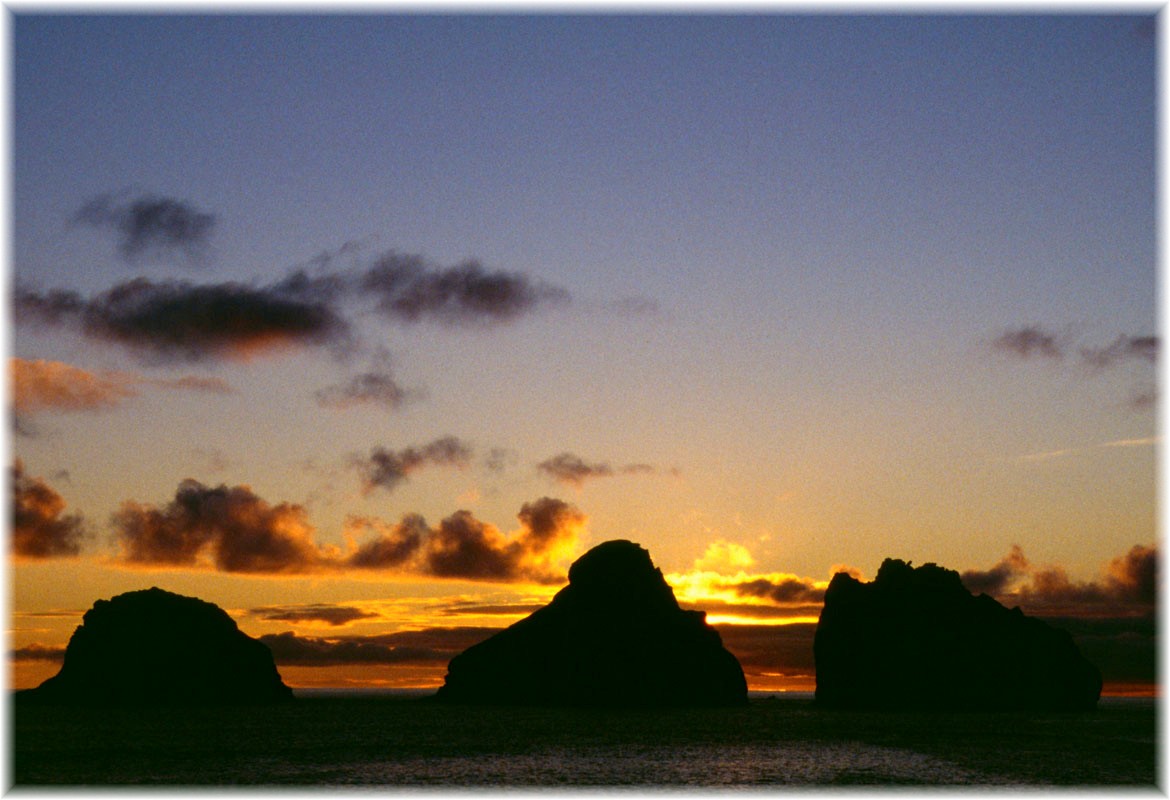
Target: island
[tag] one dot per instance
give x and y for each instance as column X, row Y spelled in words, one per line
column 615, row 636
column 915, row 639
column 153, row 647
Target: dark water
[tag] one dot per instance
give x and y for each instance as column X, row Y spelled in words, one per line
column 401, row 741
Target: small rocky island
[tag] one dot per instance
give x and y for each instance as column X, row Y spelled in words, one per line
column 153, row 647
column 916, row 639
column 615, row 636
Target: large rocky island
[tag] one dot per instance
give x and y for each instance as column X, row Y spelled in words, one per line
column 615, row 636
column 153, row 647
column 915, row 638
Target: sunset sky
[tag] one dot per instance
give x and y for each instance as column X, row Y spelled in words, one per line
column 364, row 327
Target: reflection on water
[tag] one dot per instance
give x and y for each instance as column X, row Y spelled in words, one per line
column 394, row 741
column 800, row 764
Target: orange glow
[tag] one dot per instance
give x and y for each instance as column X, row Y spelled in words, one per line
column 740, row 619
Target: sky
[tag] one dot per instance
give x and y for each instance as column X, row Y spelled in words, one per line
column 363, row 327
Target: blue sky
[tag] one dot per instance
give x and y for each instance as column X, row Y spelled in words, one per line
column 827, row 287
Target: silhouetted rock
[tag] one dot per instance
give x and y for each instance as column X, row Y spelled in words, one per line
column 615, row 636
column 153, row 647
column 915, row 638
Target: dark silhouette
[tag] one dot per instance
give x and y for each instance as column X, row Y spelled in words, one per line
column 153, row 647
column 915, row 638
column 615, row 636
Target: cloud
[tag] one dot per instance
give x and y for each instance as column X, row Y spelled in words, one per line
column 1028, row 342
column 288, row 649
column 183, row 322
column 242, row 532
column 1123, row 348
column 724, row 555
column 771, row 649
column 784, row 590
column 386, row 469
column 996, row 580
column 571, row 470
column 53, row 385
column 40, row 385
column 231, row 529
column 38, row 652
column 40, row 527
column 332, row 615
column 150, row 225
column 429, row 646
column 462, row 546
column 1127, row 587
column 366, row 389
column 409, row 289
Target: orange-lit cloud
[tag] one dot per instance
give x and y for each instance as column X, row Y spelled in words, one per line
column 1128, row 587
column 465, row 547
column 40, row 527
column 234, row 530
column 41, row 385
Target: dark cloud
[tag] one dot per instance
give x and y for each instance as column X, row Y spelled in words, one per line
column 998, row 579
column 288, row 649
column 240, row 531
column 150, row 226
column 233, row 530
column 572, row 470
column 1028, row 342
column 407, row 288
column 393, row 547
column 40, row 527
column 386, row 469
column 784, row 591
column 364, row 389
column 465, row 547
column 1123, row 348
column 1128, row 587
column 38, row 652
column 179, row 321
column 329, row 614
column 427, row 646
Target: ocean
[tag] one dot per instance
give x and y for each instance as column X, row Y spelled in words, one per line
column 399, row 740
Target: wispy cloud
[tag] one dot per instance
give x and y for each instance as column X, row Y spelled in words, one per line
column 572, row 470
column 367, row 389
column 386, row 469
column 1029, row 342
column 41, row 385
column 150, row 226
column 331, row 615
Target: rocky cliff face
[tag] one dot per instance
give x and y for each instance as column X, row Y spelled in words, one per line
column 153, row 647
column 615, row 636
column 915, row 638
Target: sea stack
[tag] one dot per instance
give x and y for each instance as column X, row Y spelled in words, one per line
column 615, row 636
column 916, row 639
column 153, row 647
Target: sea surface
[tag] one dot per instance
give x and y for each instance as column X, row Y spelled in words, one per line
column 398, row 740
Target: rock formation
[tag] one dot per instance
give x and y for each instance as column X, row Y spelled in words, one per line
column 915, row 638
column 615, row 636
column 153, row 647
